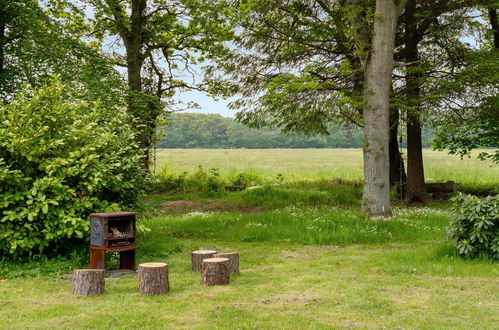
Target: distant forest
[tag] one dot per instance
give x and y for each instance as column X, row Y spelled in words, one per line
column 213, row 131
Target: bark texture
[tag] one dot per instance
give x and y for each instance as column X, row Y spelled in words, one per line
column 233, row 261
column 198, row 256
column 143, row 105
column 215, row 271
column 88, row 281
column 378, row 80
column 153, row 278
column 494, row 22
column 397, row 169
column 415, row 189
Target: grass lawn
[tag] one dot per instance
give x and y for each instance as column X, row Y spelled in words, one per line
column 308, row 260
column 309, row 257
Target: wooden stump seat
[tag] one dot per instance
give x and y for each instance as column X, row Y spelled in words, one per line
column 88, row 281
column 198, row 256
column 153, row 278
column 215, row 271
column 233, row 260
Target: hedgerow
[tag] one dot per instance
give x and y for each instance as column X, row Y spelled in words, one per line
column 61, row 159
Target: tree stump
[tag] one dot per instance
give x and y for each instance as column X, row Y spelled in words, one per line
column 198, row 256
column 153, row 278
column 233, row 260
column 88, row 281
column 215, row 271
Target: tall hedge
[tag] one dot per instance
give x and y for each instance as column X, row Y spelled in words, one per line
column 61, row 159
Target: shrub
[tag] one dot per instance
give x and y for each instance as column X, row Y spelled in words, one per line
column 59, row 161
column 201, row 180
column 166, row 181
column 246, row 179
column 474, row 229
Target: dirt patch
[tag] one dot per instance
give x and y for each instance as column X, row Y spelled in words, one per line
column 183, row 206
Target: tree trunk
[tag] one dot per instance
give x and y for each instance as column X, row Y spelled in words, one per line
column 397, row 169
column 138, row 101
column 88, row 281
column 198, row 256
column 416, row 188
column 4, row 18
column 495, row 26
column 378, row 80
column 233, row 261
column 215, row 271
column 153, row 278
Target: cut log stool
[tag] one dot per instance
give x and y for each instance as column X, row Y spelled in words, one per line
column 198, row 256
column 233, row 260
column 215, row 271
column 153, row 278
column 88, row 281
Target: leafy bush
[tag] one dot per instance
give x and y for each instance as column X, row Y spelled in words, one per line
column 167, row 181
column 201, row 180
column 474, row 229
column 246, row 179
column 59, row 161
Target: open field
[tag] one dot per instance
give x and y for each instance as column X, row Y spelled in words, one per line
column 322, row 163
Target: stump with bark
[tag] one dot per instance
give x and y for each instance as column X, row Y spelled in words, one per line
column 198, row 256
column 233, row 260
column 153, row 278
column 215, row 271
column 88, row 281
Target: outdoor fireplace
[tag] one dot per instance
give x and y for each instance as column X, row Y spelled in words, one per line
column 112, row 232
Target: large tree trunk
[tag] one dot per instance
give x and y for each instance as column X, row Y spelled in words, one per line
column 4, row 17
column 495, row 26
column 138, row 102
column 416, row 188
column 378, row 80
column 397, row 169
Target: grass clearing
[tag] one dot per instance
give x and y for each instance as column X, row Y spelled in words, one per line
column 309, row 260
column 281, row 286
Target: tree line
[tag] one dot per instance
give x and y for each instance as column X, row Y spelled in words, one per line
column 213, row 131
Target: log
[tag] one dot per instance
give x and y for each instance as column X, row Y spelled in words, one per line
column 88, row 281
column 233, row 260
column 215, row 271
column 444, row 187
column 153, row 278
column 440, row 196
column 198, row 256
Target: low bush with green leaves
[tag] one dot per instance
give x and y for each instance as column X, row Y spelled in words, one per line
column 474, row 229
column 201, row 180
column 61, row 159
column 246, row 179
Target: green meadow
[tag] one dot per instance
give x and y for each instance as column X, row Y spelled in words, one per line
column 301, row 164
column 309, row 258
